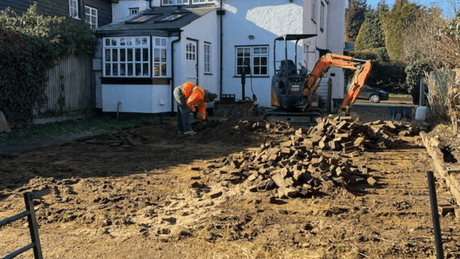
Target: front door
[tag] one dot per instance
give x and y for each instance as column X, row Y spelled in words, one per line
column 191, row 62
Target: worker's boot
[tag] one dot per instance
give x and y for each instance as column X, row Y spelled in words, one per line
column 190, row 132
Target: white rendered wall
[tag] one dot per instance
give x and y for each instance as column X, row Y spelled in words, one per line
column 203, row 29
column 136, row 98
column 121, row 9
column 332, row 38
column 265, row 19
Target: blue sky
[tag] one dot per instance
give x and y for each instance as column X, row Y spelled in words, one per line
column 447, row 9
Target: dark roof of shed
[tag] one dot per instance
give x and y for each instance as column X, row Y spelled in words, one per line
column 153, row 23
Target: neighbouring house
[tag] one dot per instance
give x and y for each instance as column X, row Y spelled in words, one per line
column 95, row 12
column 156, row 45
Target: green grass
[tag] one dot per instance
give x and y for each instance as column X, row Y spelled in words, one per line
column 96, row 125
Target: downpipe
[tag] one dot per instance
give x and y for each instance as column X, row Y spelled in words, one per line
column 118, row 107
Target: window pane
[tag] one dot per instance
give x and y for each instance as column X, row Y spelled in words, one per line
column 138, row 55
column 122, row 70
column 114, row 42
column 137, row 41
column 156, row 55
column 130, row 54
column 263, row 70
column 163, row 42
column 247, row 51
column 129, row 41
column 247, row 61
column 145, row 69
column 256, row 61
column 144, row 41
column 122, row 54
column 239, row 62
column 264, row 50
column 130, row 69
column 157, row 69
column 107, row 55
column 163, row 55
column 256, row 71
column 157, row 42
column 107, row 42
column 115, row 69
column 263, row 61
column 138, row 69
column 114, row 55
column 163, row 70
column 256, row 50
column 145, row 55
column 107, row 70
column 238, row 70
column 193, row 56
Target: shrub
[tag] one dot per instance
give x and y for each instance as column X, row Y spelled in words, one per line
column 415, row 73
column 29, row 45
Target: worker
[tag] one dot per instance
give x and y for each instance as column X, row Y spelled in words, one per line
column 188, row 96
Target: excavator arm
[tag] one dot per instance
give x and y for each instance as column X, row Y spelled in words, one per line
column 362, row 69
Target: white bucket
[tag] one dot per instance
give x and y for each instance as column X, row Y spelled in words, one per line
column 420, row 113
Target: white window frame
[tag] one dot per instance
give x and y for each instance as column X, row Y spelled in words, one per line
column 203, row 1
column 322, row 16
column 73, row 9
column 256, row 55
column 133, row 10
column 313, row 10
column 93, row 13
column 160, row 57
column 175, row 2
column 207, row 58
column 136, row 57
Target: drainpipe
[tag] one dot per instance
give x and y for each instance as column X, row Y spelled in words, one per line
column 221, row 13
column 172, row 71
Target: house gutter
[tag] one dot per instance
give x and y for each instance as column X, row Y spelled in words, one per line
column 172, row 70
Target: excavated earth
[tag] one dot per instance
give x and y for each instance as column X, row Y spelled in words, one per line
column 240, row 188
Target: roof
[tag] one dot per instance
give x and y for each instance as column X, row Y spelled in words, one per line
column 157, row 21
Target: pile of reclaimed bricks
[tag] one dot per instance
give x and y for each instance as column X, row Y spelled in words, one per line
column 312, row 161
column 123, row 137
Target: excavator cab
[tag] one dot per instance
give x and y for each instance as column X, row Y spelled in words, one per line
column 288, row 80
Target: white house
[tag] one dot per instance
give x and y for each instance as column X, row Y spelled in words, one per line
column 208, row 42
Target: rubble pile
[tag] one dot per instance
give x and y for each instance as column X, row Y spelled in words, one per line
column 312, row 161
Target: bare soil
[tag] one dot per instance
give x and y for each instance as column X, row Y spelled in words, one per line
column 160, row 196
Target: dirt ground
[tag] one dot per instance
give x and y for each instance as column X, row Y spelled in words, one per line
column 159, row 194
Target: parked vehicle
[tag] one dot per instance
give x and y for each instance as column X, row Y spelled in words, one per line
column 373, row 94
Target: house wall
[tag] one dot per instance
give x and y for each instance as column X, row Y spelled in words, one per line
column 330, row 38
column 208, row 81
column 60, row 7
column 121, row 8
column 265, row 19
column 136, row 98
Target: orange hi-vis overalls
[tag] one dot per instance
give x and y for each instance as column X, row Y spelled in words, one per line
column 195, row 96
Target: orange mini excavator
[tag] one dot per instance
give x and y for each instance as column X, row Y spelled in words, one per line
column 293, row 91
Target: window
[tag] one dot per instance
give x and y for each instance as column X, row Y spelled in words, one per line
column 207, row 57
column 126, row 57
column 73, row 9
column 313, row 10
column 322, row 18
column 190, row 52
column 203, row 1
column 254, row 56
column 133, row 10
column 173, row 2
column 91, row 16
column 159, row 57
